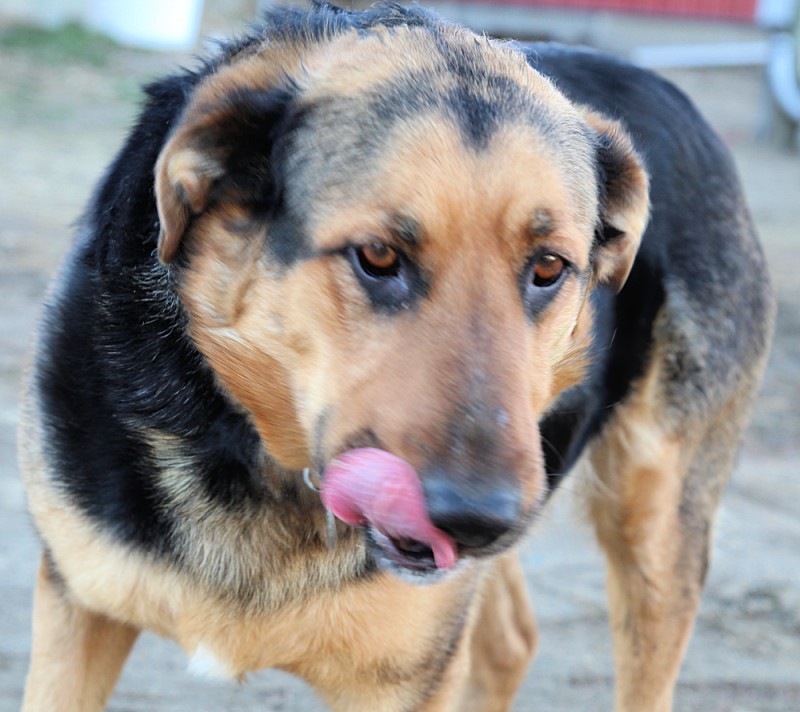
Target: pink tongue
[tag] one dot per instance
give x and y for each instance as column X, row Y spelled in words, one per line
column 370, row 486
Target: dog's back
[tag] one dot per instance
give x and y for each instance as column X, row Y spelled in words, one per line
column 699, row 275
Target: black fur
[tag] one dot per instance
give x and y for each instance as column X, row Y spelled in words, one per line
column 477, row 115
column 688, row 244
column 116, row 360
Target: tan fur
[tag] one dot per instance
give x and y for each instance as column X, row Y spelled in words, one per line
column 281, row 328
column 503, row 643
column 331, row 640
column 300, row 345
column 660, row 479
column 638, row 526
column 77, row 654
column 628, row 209
column 260, row 329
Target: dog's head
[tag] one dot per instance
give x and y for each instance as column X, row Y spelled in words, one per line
column 384, row 241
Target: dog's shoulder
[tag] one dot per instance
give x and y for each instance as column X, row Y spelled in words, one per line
column 114, row 363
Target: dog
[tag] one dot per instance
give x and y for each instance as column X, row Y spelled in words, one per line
column 354, row 297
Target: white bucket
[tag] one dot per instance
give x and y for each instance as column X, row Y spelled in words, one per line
column 150, row 24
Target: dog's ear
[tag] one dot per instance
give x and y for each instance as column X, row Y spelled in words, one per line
column 215, row 150
column 624, row 202
column 184, row 176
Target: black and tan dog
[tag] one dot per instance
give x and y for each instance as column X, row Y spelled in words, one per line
column 383, row 249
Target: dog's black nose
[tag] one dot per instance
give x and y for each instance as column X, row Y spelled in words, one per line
column 474, row 516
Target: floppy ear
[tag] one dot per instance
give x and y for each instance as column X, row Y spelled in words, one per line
column 624, row 202
column 215, row 150
column 183, row 180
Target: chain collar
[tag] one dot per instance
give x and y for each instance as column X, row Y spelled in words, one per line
column 314, row 482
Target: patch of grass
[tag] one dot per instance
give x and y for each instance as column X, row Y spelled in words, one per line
column 69, row 43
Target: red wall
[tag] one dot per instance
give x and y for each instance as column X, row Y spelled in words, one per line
column 724, row 9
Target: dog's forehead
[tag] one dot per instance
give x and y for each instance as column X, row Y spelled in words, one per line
column 426, row 176
column 414, row 109
column 370, row 84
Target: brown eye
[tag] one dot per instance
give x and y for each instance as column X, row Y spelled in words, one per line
column 378, row 260
column 547, row 270
column 391, row 280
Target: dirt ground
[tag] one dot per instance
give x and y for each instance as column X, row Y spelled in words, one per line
column 64, row 111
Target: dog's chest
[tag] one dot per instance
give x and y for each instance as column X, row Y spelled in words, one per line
column 356, row 628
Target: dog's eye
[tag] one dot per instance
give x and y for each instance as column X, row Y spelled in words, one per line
column 378, row 260
column 541, row 279
column 547, row 270
column 390, row 279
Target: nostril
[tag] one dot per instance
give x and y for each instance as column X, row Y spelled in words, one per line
column 475, row 520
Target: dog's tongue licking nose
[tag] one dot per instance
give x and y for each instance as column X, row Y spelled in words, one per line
column 370, row 486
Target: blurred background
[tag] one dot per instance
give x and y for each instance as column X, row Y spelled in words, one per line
column 70, row 73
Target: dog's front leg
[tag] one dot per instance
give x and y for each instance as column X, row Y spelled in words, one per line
column 77, row 655
column 502, row 640
column 496, row 648
column 654, row 514
column 652, row 609
column 461, row 645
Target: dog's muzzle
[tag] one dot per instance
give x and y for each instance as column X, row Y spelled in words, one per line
column 372, row 488
column 422, row 529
